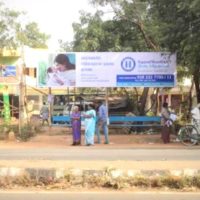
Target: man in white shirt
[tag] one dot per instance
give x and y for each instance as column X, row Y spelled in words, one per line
column 196, row 112
column 196, row 115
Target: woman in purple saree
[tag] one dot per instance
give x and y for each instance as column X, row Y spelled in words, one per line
column 76, row 126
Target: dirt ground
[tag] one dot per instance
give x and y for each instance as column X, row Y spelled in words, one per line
column 60, row 137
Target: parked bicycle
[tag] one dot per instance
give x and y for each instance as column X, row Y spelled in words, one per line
column 190, row 133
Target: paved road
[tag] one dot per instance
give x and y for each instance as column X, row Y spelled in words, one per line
column 99, row 196
column 100, row 154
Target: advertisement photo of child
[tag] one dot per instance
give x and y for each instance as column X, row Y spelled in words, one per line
column 62, row 73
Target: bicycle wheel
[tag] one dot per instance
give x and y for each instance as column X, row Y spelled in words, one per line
column 188, row 135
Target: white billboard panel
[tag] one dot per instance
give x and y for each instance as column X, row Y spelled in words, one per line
column 113, row 69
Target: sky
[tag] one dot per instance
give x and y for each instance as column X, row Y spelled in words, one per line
column 54, row 17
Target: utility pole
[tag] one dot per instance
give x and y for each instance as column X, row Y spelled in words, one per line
column 50, row 101
column 6, row 108
column 21, row 91
column 107, row 105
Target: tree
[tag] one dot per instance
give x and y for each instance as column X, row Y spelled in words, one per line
column 180, row 29
column 145, row 25
column 31, row 36
column 88, row 33
column 127, row 31
column 65, row 46
column 13, row 34
column 7, row 26
column 172, row 25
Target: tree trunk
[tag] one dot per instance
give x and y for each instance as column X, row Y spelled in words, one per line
column 197, row 83
column 142, row 102
column 190, row 101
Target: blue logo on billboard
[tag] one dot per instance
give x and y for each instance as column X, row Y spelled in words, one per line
column 128, row 64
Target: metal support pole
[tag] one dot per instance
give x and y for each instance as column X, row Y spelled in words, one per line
column 50, row 100
column 107, row 104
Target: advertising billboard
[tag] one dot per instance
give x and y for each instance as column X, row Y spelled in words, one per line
column 109, row 69
column 8, row 74
column 6, row 71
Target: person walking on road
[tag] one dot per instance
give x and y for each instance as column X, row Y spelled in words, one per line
column 76, row 126
column 102, row 123
column 44, row 112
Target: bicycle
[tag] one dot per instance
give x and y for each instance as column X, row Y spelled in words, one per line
column 189, row 134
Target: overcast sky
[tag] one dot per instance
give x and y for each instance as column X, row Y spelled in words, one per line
column 54, row 17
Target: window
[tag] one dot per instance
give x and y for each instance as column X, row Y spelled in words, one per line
column 30, row 72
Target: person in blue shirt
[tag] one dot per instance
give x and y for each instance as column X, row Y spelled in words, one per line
column 102, row 123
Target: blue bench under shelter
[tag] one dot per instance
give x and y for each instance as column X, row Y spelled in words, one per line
column 64, row 119
column 117, row 121
column 140, row 121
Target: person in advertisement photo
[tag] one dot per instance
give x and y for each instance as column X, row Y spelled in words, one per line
column 63, row 73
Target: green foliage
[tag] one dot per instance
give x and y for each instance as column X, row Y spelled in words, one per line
column 180, row 28
column 13, row 32
column 129, row 30
column 31, row 36
column 88, row 33
column 65, row 46
column 119, row 34
column 145, row 25
column 7, row 23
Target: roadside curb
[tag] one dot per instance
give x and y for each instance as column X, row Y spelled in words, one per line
column 76, row 172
